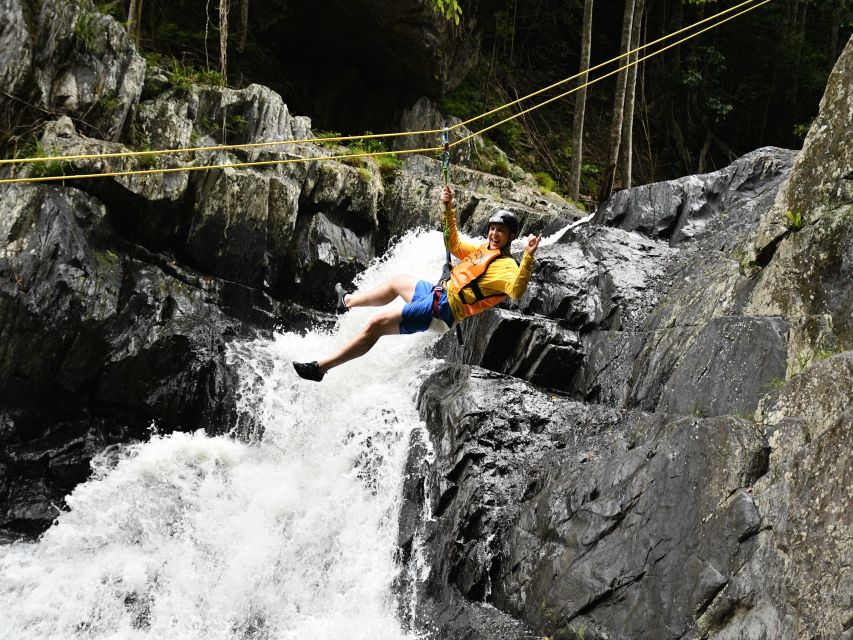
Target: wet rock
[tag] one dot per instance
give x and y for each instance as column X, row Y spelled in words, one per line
column 531, row 348
column 568, row 515
column 694, row 207
column 119, row 337
column 727, row 368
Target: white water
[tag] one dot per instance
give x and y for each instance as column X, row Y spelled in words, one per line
column 191, row 537
column 188, row 536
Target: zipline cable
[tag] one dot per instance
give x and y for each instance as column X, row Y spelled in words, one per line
column 378, row 136
column 366, row 154
column 257, row 163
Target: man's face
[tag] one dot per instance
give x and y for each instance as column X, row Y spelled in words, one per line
column 498, row 235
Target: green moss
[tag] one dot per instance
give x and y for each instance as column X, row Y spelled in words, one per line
column 364, row 174
column 545, row 181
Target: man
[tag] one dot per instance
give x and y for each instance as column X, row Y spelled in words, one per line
column 486, row 275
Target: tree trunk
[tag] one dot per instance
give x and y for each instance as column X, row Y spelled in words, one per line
column 627, row 145
column 244, row 25
column 580, row 104
column 223, row 37
column 618, row 106
column 134, row 19
column 832, row 45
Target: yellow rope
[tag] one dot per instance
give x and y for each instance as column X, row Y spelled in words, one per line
column 372, row 136
column 607, row 75
column 258, row 163
column 359, row 155
column 221, row 147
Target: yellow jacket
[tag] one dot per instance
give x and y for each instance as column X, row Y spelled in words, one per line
column 501, row 277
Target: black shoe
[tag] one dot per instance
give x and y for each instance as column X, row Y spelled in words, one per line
column 309, row 371
column 342, row 293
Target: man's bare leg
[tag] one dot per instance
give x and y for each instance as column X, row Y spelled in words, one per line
column 382, row 324
column 403, row 286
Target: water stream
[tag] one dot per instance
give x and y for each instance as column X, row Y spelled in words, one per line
column 187, row 536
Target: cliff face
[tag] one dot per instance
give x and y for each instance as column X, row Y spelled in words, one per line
column 680, row 468
column 652, row 442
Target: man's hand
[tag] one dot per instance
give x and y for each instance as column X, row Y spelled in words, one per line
column 532, row 244
column 447, row 197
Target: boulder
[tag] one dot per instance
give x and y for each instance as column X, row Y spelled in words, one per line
column 70, row 59
column 119, row 337
column 576, row 518
column 694, row 207
column 808, row 257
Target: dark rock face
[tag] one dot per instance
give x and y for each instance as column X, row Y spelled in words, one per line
column 417, row 54
column 570, row 515
column 689, row 209
column 712, row 373
column 119, row 337
column 591, row 521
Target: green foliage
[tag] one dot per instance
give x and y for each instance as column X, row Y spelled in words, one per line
column 328, row 134
column 545, row 181
column 86, row 31
column 389, row 167
column 113, row 8
column 802, row 130
column 183, row 76
column 745, row 415
column 41, row 169
column 590, row 178
column 698, row 412
column 500, row 167
column 794, row 220
column 366, row 145
column 235, row 125
column 718, row 108
column 389, row 164
column 775, row 383
column 450, row 9
column 746, row 265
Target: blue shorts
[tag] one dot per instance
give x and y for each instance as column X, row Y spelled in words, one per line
column 417, row 314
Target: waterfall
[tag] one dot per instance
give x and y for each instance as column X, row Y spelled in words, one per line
column 292, row 536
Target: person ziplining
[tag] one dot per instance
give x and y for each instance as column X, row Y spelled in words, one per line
column 486, row 275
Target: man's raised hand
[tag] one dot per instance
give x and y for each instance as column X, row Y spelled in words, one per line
column 532, row 244
column 446, row 197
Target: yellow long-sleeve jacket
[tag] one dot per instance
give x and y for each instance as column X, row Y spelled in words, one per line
column 501, row 276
